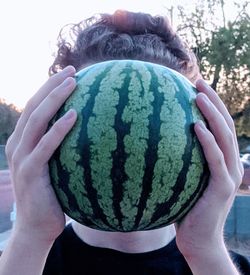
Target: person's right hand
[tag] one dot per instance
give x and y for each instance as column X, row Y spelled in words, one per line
column 28, row 151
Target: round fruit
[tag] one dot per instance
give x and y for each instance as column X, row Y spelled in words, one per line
column 132, row 161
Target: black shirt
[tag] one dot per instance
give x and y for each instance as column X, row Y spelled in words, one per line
column 71, row 256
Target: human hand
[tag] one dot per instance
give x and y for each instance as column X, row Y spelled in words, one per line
column 246, row 164
column 201, row 230
column 28, row 151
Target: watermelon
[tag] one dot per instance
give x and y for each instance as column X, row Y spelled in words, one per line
column 132, row 161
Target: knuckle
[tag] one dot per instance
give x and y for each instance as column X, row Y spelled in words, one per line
column 229, row 190
column 8, row 148
column 15, row 159
column 12, row 151
column 229, row 136
column 219, row 160
column 210, row 139
column 30, row 105
column 230, row 123
column 55, row 95
column 212, row 119
column 239, row 173
column 43, row 146
column 241, row 168
column 34, row 118
column 57, row 79
column 237, row 178
column 57, row 129
column 24, row 169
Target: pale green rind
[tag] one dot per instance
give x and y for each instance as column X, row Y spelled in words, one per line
column 191, row 184
column 103, row 138
column 136, row 112
column 69, row 149
column 60, row 192
column 170, row 148
column 192, row 179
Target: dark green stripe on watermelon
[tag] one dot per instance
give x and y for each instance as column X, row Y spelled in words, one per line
column 149, row 174
column 72, row 162
column 195, row 183
column 183, row 208
column 119, row 155
column 163, row 215
column 152, row 147
column 186, row 157
column 104, row 142
column 137, row 112
column 84, row 139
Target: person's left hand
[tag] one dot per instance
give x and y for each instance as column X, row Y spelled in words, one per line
column 202, row 228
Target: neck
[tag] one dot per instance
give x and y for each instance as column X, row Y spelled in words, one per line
column 128, row 242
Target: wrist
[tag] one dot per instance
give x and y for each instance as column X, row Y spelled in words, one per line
column 42, row 231
column 25, row 253
column 33, row 236
column 196, row 248
column 213, row 259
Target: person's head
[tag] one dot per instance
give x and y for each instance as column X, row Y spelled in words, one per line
column 125, row 35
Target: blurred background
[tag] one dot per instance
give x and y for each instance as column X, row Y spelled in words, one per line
column 217, row 30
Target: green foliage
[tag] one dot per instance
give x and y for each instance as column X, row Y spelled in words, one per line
column 8, row 118
column 230, row 46
column 223, row 48
column 3, row 160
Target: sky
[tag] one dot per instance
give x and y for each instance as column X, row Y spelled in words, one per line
column 29, row 30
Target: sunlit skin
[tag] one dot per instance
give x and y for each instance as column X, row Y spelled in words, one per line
column 36, row 228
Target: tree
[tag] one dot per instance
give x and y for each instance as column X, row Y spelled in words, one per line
column 9, row 115
column 223, row 48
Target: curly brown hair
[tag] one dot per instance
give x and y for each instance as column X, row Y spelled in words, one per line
column 124, row 35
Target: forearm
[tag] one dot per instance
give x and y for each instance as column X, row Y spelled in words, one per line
column 215, row 261
column 24, row 255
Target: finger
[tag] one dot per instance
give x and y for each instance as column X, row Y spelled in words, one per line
column 215, row 159
column 43, row 92
column 221, row 131
column 203, row 87
column 52, row 139
column 38, row 121
column 32, row 104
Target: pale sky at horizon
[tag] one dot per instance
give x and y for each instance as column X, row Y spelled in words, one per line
column 29, row 30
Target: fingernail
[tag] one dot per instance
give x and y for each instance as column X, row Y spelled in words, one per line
column 201, row 124
column 204, row 98
column 206, row 85
column 67, row 82
column 70, row 114
column 68, row 70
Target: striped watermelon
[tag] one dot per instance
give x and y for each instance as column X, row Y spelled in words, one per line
column 132, row 161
